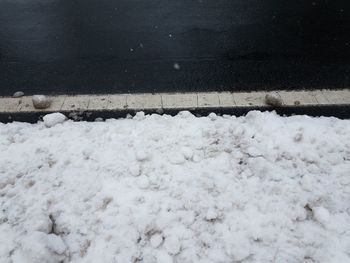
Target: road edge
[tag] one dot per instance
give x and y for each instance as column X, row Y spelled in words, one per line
column 89, row 107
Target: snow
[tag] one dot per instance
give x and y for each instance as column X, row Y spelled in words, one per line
column 321, row 214
column 52, row 119
column 156, row 240
column 259, row 188
column 40, row 247
column 172, row 245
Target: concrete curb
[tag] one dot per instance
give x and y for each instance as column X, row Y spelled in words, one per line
column 82, row 107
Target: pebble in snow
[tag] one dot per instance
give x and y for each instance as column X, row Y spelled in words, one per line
column 52, row 119
column 18, row 94
column 156, row 240
column 273, row 99
column 41, row 101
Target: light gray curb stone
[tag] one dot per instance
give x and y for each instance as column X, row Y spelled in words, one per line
column 175, row 101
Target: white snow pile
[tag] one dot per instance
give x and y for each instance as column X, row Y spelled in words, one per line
column 259, row 188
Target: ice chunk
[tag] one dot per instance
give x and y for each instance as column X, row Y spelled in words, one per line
column 273, row 99
column 212, row 116
column 18, row 94
column 156, row 240
column 41, row 101
column 52, row 119
column 238, row 247
column 55, row 244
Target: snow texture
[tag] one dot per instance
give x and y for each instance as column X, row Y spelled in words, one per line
column 259, row 188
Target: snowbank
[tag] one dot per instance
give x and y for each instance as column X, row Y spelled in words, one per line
column 259, row 188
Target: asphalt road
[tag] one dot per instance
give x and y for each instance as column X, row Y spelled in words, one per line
column 119, row 46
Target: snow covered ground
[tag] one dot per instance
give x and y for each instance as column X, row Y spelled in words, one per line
column 260, row 188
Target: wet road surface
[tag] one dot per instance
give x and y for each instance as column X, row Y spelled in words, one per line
column 119, row 46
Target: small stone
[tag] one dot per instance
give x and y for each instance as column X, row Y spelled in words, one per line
column 18, row 94
column 156, row 240
column 41, row 101
column 273, row 99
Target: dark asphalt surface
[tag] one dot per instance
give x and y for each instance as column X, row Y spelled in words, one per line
column 105, row 46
